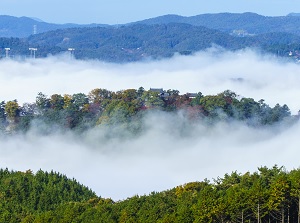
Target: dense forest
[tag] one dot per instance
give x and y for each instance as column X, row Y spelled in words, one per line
column 227, row 22
column 152, row 38
column 25, row 193
column 268, row 195
column 143, row 42
column 126, row 108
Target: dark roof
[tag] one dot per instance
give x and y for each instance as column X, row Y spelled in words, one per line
column 158, row 90
column 192, row 95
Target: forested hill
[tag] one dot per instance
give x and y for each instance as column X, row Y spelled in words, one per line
column 26, row 193
column 128, row 108
column 153, row 38
column 136, row 42
column 268, row 195
column 228, row 22
column 143, row 42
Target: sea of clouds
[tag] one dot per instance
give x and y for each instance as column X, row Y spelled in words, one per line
column 171, row 151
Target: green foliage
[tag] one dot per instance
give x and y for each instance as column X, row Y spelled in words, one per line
column 252, row 23
column 2, row 115
column 126, row 109
column 268, row 195
column 152, row 99
column 24, row 193
column 42, row 102
column 12, row 109
column 56, row 102
column 136, row 42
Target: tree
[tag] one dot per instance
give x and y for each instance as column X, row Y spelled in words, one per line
column 279, row 197
column 140, row 91
column 56, row 102
column 98, row 95
column 80, row 101
column 204, row 209
column 42, row 102
column 295, row 189
column 196, row 101
column 152, row 100
column 278, row 113
column 67, row 101
column 2, row 110
column 28, row 109
column 2, row 115
column 247, row 108
column 12, row 110
column 128, row 95
column 257, row 197
column 213, row 105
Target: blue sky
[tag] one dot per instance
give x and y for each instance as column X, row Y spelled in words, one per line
column 117, row 11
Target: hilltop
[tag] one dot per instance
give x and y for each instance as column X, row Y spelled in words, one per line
column 21, row 27
column 251, row 23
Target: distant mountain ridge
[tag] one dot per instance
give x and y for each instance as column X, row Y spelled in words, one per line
column 140, row 41
column 154, row 38
column 293, row 14
column 21, row 27
column 228, row 22
column 247, row 22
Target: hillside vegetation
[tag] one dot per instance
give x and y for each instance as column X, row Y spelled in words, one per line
column 24, row 193
column 268, row 195
column 153, row 38
column 101, row 107
column 227, row 22
column 144, row 42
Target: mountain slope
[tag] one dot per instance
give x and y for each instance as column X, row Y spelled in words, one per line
column 136, row 42
column 227, row 22
column 140, row 41
column 11, row 26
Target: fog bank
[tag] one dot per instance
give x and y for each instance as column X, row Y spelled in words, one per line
column 245, row 72
column 167, row 153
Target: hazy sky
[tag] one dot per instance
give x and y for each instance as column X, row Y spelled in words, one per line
column 117, row 11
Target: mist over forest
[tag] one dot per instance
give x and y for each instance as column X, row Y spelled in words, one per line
column 171, row 149
column 245, row 72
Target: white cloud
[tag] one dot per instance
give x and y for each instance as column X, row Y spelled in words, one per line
column 160, row 158
column 245, row 72
column 163, row 156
